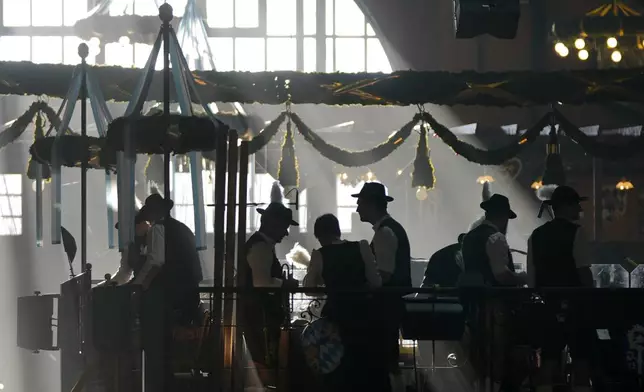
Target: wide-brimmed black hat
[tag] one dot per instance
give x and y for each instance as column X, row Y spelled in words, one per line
column 564, row 195
column 155, row 202
column 373, row 191
column 279, row 211
column 498, row 204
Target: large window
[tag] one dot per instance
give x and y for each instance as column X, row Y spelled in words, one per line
column 346, row 204
column 10, row 204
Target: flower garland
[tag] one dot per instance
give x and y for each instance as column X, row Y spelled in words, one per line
column 288, row 173
column 423, row 174
column 354, row 158
column 73, row 150
column 490, row 157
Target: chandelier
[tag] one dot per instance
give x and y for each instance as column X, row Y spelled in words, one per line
column 609, row 34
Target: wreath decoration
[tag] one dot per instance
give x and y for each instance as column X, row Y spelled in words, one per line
column 73, row 150
column 182, row 134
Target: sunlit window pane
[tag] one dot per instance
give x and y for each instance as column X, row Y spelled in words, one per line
column 15, row 48
column 329, row 17
column 310, row 17
column 370, row 31
column 47, row 50
column 344, row 192
column 349, row 20
column 219, row 13
column 249, row 54
column 350, row 54
column 222, row 50
column 73, row 11
column 149, row 7
column 281, row 55
column 303, row 212
column 47, row 12
column 344, row 218
column 178, row 6
column 10, row 204
column 16, row 13
column 377, row 60
column 142, row 53
column 122, row 7
column 119, row 55
column 280, row 17
column 246, row 13
column 330, row 52
column 310, row 55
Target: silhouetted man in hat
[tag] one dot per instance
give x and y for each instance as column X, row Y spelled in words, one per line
column 264, row 313
column 391, row 247
column 488, row 261
column 170, row 278
column 486, row 252
column 559, row 256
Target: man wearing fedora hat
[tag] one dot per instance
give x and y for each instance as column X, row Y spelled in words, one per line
column 488, row 261
column 263, row 313
column 559, row 256
column 486, row 252
column 391, row 247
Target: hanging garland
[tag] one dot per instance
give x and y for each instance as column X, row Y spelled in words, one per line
column 598, row 149
column 288, row 173
column 423, row 174
column 486, row 157
column 354, row 158
column 35, row 169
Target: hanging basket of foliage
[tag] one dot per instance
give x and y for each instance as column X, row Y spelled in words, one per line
column 73, row 150
column 158, row 134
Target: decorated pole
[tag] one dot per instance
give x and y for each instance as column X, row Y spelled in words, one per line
column 83, row 52
column 165, row 14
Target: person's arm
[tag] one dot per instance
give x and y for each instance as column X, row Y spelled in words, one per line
column 530, row 265
column 583, row 258
column 370, row 267
column 498, row 251
column 385, row 245
column 155, row 257
column 124, row 272
column 313, row 276
column 260, row 258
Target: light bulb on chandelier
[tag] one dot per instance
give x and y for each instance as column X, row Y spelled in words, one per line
column 561, row 49
column 611, row 42
column 580, row 43
column 421, row 193
column 616, row 56
column 583, row 55
column 124, row 41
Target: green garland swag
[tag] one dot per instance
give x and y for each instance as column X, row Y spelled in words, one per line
column 598, row 149
column 521, row 88
column 490, row 157
column 355, row 158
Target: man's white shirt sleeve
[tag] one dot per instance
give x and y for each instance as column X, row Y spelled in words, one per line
column 370, row 267
column 498, row 252
column 313, row 276
column 385, row 245
column 155, row 256
column 260, row 260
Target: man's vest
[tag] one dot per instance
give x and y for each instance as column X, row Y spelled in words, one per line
column 182, row 268
column 268, row 304
column 552, row 254
column 475, row 258
column 401, row 276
